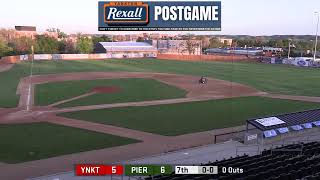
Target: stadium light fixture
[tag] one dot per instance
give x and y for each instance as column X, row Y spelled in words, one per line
column 317, row 28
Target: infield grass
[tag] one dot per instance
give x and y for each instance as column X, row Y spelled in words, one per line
column 131, row 90
column 183, row 118
column 279, row 79
column 27, row 142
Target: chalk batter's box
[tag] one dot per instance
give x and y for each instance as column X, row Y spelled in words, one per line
column 159, row 16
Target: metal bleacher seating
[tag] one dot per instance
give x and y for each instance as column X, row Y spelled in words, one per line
column 296, row 161
column 283, row 130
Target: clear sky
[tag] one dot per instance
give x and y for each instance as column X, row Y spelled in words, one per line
column 253, row 17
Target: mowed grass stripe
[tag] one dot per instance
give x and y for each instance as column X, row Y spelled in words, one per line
column 131, row 90
column 177, row 119
column 27, row 142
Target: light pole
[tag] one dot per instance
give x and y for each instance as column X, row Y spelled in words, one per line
column 317, row 28
column 30, row 80
column 289, row 49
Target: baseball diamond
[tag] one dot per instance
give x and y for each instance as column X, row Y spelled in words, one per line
column 160, row 90
column 141, row 106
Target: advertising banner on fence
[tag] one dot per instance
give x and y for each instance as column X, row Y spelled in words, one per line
column 42, row 57
column 160, row 16
column 24, row 57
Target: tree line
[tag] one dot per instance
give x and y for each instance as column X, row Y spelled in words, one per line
column 249, row 42
column 44, row 44
column 299, row 47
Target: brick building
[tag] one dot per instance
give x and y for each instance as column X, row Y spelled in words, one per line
column 31, row 32
column 25, row 31
column 182, row 47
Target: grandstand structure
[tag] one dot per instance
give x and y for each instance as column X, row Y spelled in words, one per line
column 126, row 49
column 296, row 161
column 271, row 129
column 179, row 47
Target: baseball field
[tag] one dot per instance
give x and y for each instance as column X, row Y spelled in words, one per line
column 268, row 78
column 80, row 107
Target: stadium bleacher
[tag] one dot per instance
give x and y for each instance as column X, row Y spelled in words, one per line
column 290, row 162
column 283, row 130
column 266, row 130
column 297, row 127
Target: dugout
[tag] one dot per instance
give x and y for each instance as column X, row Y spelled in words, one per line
column 271, row 129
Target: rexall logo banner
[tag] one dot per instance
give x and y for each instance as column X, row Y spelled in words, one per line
column 160, row 16
column 126, row 13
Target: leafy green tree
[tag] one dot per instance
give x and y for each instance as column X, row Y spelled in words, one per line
column 189, row 46
column 4, row 48
column 61, row 35
column 103, row 38
column 69, row 47
column 22, row 45
column 140, row 39
column 46, row 45
column 205, row 41
column 278, row 43
column 84, row 45
column 215, row 43
column 61, row 46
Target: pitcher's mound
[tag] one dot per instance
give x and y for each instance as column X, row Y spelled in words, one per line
column 106, row 89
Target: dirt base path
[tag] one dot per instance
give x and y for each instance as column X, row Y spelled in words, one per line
column 72, row 99
column 297, row 98
column 116, row 105
column 103, row 128
column 5, row 67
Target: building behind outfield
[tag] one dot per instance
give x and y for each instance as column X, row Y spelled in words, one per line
column 179, row 47
column 126, row 49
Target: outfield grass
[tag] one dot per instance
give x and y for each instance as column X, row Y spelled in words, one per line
column 131, row 90
column 27, row 142
column 177, row 119
column 270, row 78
